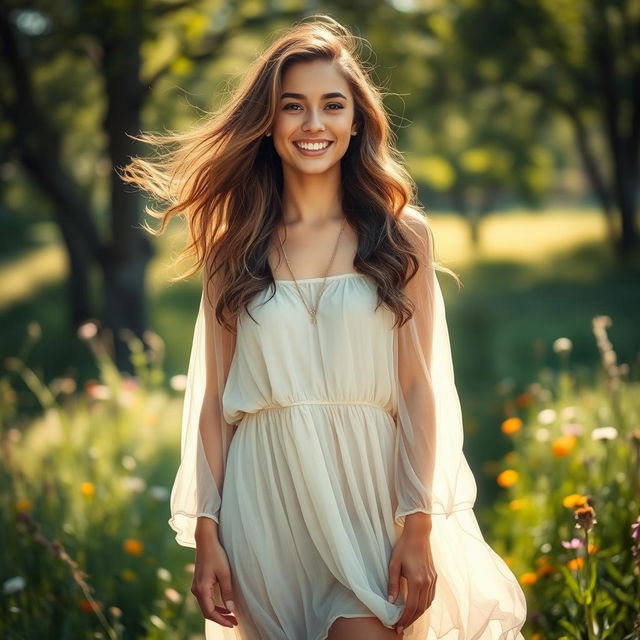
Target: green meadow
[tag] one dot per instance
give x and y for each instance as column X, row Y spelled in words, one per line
column 545, row 342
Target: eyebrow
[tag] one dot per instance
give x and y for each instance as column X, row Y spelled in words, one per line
column 301, row 96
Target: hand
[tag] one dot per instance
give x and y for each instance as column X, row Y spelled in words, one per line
column 211, row 567
column 411, row 558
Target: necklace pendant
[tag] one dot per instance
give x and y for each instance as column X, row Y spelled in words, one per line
column 313, row 318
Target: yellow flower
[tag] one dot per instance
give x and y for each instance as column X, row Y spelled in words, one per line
column 133, row 547
column 517, row 504
column 511, row 425
column 575, row 563
column 574, row 500
column 528, row 578
column 128, row 575
column 563, row 445
column 507, row 478
column 88, row 489
column 24, row 505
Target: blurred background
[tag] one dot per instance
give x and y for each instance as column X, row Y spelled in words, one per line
column 519, row 121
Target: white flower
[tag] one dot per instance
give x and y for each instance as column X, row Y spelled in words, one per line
column 562, row 345
column 157, row 622
column 129, row 462
column 542, row 434
column 547, row 416
column 179, row 382
column 14, row 584
column 88, row 330
column 604, row 433
column 569, row 413
column 164, row 574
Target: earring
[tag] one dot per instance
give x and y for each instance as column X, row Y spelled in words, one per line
column 268, row 134
column 354, row 133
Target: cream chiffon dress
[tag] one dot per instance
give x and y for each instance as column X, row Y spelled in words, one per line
column 309, row 443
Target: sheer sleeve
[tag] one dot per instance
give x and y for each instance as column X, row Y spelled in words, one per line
column 205, row 437
column 431, row 473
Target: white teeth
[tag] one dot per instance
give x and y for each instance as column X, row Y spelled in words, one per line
column 314, row 146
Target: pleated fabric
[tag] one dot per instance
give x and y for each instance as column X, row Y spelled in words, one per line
column 309, row 445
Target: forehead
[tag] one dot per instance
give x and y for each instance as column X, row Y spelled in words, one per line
column 314, row 77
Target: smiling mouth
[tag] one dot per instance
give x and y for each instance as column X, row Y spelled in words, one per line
column 313, row 146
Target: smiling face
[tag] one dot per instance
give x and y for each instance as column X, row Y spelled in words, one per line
column 315, row 117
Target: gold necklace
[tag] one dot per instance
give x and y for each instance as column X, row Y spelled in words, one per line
column 313, row 310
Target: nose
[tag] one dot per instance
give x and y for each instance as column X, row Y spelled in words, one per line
column 314, row 122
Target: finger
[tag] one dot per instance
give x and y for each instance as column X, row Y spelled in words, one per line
column 203, row 594
column 394, row 580
column 226, row 589
column 410, row 607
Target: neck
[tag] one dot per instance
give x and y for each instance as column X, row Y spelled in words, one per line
column 311, row 199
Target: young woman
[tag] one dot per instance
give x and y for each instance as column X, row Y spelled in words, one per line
column 320, row 390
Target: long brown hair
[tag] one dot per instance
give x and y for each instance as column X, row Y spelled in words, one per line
column 225, row 177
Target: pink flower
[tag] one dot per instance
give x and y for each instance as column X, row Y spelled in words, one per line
column 574, row 543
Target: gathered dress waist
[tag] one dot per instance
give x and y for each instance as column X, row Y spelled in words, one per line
column 295, row 403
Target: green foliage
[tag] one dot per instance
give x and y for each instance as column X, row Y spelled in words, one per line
column 573, row 484
column 85, row 546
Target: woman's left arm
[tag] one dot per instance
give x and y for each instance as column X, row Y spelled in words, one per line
column 415, row 434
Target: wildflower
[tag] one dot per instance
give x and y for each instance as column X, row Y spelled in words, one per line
column 585, row 518
column 88, row 489
column 569, row 413
column 87, row 331
column 178, row 382
column 547, row 416
column 12, row 585
column 575, row 564
column 563, row 445
column 507, row 478
column 87, row 606
column 133, row 547
column 542, row 434
column 128, row 575
column 572, row 429
column 604, row 433
column 129, row 462
column 562, row 345
column 517, row 504
column 524, row 400
column 172, row 595
column 97, row 391
column 116, row 612
column 528, row 578
column 24, row 505
column 545, row 567
column 158, row 622
column 164, row 574
column 511, row 425
column 574, row 543
column 574, row 500
column 592, row 548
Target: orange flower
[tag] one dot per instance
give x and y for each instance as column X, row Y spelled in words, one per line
column 537, row 636
column 24, row 505
column 574, row 500
column 563, row 445
column 592, row 548
column 517, row 504
column 511, row 425
column 86, row 606
column 528, row 578
column 524, row 400
column 133, row 547
column 88, row 489
column 507, row 478
column 575, row 563
column 545, row 567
